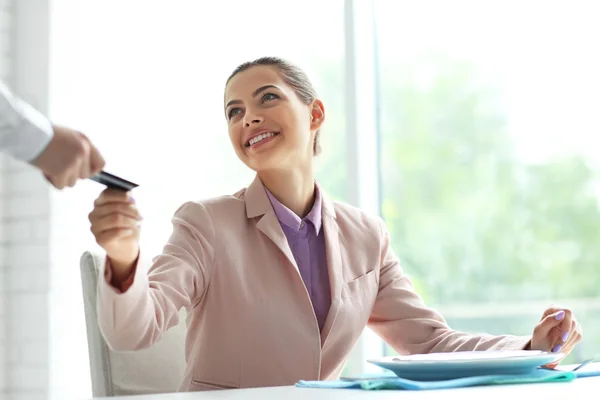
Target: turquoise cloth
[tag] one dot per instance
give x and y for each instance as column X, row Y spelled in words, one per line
column 387, row 381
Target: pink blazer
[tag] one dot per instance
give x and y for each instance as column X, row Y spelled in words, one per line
column 250, row 319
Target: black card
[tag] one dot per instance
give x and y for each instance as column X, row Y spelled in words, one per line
column 113, row 181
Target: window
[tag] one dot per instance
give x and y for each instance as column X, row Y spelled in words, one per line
column 489, row 154
column 145, row 81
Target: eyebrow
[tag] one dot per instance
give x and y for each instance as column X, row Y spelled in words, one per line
column 254, row 94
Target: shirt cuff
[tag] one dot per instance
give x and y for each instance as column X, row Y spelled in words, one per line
column 36, row 134
column 120, row 287
column 25, row 131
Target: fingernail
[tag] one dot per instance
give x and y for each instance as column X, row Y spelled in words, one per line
column 565, row 336
column 559, row 315
column 557, row 348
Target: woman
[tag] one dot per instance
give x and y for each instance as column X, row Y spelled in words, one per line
column 278, row 280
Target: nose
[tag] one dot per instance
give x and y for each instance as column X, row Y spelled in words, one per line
column 251, row 118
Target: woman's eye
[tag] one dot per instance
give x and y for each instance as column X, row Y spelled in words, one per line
column 269, row 96
column 233, row 112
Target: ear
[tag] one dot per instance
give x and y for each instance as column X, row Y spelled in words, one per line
column 317, row 115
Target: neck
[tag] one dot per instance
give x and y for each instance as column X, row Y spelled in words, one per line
column 294, row 189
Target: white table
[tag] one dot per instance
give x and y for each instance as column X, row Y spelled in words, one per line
column 581, row 388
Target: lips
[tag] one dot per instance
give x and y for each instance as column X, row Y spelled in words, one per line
column 260, row 136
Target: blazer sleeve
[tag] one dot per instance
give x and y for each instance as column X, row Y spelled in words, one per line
column 401, row 318
column 136, row 317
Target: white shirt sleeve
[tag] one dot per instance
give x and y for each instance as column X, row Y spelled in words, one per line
column 24, row 132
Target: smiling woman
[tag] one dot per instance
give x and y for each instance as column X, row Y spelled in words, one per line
column 259, row 135
column 294, row 277
column 294, row 77
column 274, row 117
column 152, row 100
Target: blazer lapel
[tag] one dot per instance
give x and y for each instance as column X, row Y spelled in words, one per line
column 258, row 204
column 334, row 265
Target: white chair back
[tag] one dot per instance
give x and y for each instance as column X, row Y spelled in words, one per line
column 158, row 369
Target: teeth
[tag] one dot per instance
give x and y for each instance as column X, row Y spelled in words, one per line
column 260, row 137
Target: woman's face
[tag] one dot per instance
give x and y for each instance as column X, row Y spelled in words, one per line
column 269, row 126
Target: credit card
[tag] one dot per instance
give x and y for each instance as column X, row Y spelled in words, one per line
column 113, row 181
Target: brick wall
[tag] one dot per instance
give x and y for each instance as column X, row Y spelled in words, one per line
column 5, row 67
column 24, row 232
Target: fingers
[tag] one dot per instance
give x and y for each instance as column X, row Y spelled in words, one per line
column 567, row 337
column 113, row 196
column 115, row 224
column 84, row 159
column 114, row 210
column 54, row 182
column 96, row 160
column 93, row 160
column 563, row 331
column 554, row 339
column 80, row 164
column 574, row 337
column 111, row 235
column 557, row 332
column 545, row 329
column 125, row 209
column 69, row 157
column 65, row 180
column 113, row 219
column 71, row 179
column 566, row 325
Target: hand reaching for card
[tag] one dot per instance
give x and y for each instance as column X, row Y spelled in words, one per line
column 115, row 223
column 558, row 331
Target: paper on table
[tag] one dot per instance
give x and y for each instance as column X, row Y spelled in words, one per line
column 468, row 355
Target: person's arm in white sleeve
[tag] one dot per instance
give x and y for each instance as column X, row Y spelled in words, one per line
column 64, row 155
column 24, row 132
